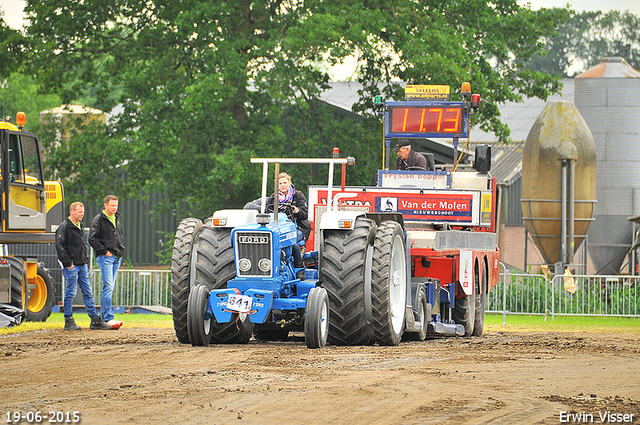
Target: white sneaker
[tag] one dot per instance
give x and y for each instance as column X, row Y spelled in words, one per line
column 115, row 324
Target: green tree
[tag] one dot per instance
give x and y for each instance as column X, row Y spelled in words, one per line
column 12, row 43
column 585, row 39
column 20, row 92
column 85, row 156
column 560, row 50
column 612, row 34
column 207, row 85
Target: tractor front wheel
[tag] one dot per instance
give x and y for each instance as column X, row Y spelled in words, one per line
column 198, row 324
column 316, row 318
column 213, row 266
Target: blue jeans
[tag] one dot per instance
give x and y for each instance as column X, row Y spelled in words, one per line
column 73, row 277
column 109, row 266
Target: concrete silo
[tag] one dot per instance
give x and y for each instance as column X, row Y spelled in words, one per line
column 608, row 98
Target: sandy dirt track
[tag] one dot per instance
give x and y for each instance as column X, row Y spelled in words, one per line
column 143, row 375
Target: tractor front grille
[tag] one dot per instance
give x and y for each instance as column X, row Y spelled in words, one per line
column 253, row 249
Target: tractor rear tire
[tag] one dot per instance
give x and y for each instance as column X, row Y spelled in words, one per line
column 389, row 283
column 40, row 297
column 213, row 266
column 187, row 230
column 316, row 318
column 342, row 272
column 478, row 327
column 198, row 326
column 423, row 316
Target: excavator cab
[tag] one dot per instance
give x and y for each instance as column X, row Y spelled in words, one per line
column 30, row 211
column 24, row 200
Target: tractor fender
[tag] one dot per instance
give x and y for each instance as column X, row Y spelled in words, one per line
column 332, row 220
column 231, row 219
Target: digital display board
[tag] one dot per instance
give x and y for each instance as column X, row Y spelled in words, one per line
column 434, row 120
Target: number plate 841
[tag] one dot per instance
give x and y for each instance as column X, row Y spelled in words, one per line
column 239, row 303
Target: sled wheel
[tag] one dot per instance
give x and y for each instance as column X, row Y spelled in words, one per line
column 464, row 311
column 423, row 316
column 478, row 326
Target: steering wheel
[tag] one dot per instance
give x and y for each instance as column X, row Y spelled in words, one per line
column 283, row 207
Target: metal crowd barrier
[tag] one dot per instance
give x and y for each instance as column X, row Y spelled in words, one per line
column 136, row 287
column 515, row 293
column 583, row 295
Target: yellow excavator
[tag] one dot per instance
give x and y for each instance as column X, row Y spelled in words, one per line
column 31, row 210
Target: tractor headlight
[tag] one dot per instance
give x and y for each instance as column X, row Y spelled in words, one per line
column 244, row 264
column 264, row 265
column 263, row 219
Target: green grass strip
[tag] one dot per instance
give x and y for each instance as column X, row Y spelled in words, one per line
column 493, row 322
column 56, row 321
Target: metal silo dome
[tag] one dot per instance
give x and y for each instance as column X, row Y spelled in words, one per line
column 558, row 134
column 608, row 98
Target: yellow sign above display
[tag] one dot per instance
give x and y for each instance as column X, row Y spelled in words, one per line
column 413, row 91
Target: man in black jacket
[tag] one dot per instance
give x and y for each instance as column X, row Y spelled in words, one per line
column 106, row 238
column 72, row 254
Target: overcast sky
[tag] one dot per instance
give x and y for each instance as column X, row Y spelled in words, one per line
column 632, row 6
column 12, row 9
column 12, row 14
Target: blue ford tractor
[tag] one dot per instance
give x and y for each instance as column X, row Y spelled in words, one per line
column 265, row 292
column 234, row 277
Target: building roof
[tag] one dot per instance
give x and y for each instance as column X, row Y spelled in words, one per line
column 520, row 117
column 344, row 94
column 615, row 67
